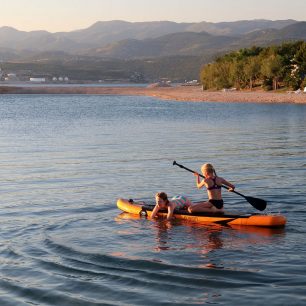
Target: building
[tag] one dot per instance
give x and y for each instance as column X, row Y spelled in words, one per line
column 38, row 80
column 11, row 77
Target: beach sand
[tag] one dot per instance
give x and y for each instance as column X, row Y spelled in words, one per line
column 179, row 93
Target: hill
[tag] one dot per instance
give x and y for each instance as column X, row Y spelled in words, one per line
column 184, row 43
column 119, row 49
column 197, row 44
column 101, row 34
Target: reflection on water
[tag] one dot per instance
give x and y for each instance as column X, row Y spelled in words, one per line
column 161, row 228
column 206, row 241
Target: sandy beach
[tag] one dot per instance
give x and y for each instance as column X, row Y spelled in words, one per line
column 179, row 93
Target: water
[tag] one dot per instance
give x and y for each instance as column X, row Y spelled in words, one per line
column 64, row 160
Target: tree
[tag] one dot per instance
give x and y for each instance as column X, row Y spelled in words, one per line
column 252, row 69
column 300, row 60
column 207, row 76
column 238, row 74
column 223, row 78
column 272, row 68
column 284, row 64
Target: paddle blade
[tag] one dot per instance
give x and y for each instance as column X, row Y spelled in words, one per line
column 259, row 204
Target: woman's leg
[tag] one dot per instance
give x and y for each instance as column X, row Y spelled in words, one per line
column 201, row 207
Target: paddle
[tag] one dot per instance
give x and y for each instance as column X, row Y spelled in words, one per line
column 259, row 204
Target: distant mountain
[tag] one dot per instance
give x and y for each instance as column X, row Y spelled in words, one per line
column 197, row 44
column 119, row 49
column 101, row 34
column 294, row 31
column 186, row 43
column 111, row 31
column 237, row 28
column 11, row 38
column 265, row 37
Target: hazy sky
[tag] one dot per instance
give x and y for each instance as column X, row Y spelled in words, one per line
column 67, row 15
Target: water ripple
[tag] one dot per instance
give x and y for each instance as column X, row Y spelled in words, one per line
column 64, row 160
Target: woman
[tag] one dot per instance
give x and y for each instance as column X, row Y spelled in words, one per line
column 213, row 183
column 162, row 202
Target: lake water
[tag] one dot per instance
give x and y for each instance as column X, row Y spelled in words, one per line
column 64, row 161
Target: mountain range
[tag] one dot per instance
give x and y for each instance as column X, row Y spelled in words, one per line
column 127, row 40
column 114, row 50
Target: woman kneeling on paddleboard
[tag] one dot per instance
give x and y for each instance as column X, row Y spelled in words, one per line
column 162, row 202
column 213, row 183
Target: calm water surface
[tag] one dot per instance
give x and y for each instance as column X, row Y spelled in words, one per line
column 64, row 160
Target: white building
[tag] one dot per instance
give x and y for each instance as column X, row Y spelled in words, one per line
column 11, row 77
column 38, row 80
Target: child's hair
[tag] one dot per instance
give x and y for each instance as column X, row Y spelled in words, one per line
column 208, row 168
column 163, row 196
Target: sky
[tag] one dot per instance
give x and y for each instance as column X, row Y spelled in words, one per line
column 69, row 15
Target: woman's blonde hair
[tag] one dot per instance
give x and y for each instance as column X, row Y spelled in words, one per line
column 209, row 168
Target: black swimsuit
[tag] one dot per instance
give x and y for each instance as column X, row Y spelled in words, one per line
column 217, row 203
column 215, row 185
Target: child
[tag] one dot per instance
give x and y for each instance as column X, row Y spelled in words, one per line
column 213, row 183
column 162, row 202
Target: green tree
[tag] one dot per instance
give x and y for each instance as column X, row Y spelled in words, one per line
column 272, row 68
column 238, row 74
column 300, row 60
column 252, row 69
column 207, row 76
column 224, row 75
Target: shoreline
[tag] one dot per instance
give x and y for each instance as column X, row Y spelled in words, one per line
column 180, row 93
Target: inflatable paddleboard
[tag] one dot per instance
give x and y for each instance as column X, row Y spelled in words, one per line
column 142, row 209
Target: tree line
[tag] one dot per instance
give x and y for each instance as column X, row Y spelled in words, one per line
column 270, row 67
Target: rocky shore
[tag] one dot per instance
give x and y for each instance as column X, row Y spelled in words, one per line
column 180, row 93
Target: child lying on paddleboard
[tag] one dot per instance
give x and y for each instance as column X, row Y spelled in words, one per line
column 162, row 202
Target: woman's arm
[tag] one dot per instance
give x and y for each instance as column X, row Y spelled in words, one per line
column 228, row 184
column 155, row 211
column 199, row 183
column 170, row 211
